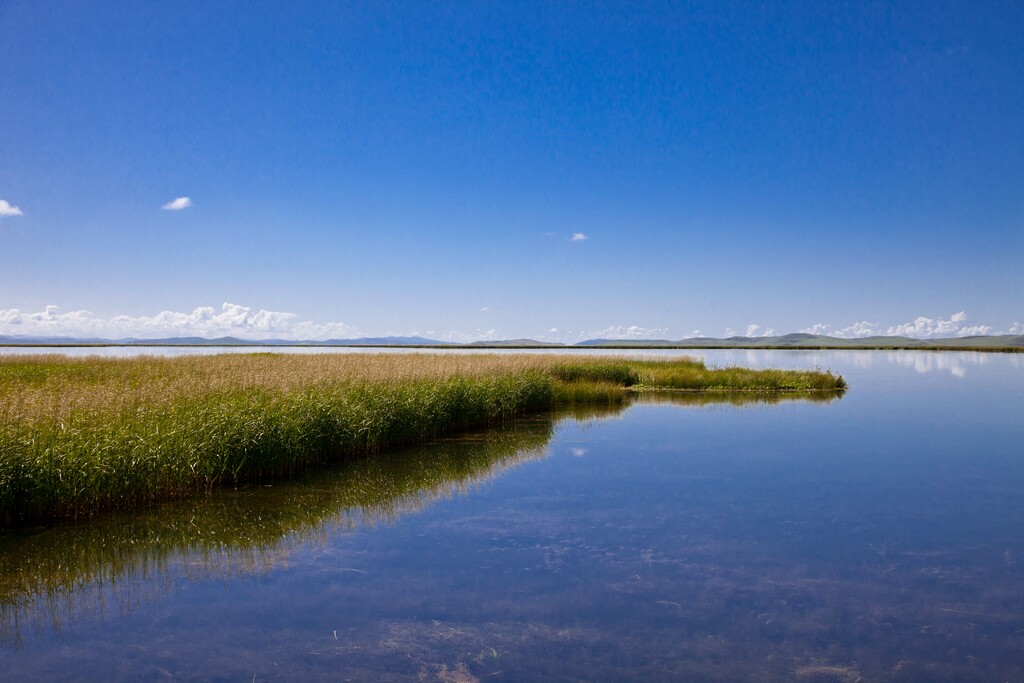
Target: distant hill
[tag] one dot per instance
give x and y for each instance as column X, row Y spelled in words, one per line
column 518, row 343
column 626, row 342
column 798, row 340
column 187, row 341
column 384, row 341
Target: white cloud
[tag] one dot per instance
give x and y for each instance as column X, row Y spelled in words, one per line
column 7, row 209
column 485, row 309
column 755, row 330
column 630, row 332
column 610, row 332
column 177, row 204
column 478, row 334
column 925, row 328
column 1017, row 328
column 859, row 329
column 817, row 328
column 854, row 331
column 920, row 328
column 578, row 237
column 11, row 316
column 695, row 334
column 205, row 321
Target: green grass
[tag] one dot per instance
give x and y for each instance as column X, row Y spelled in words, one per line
column 78, row 436
column 59, row 574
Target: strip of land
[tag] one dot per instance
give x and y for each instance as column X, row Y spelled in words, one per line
column 1005, row 343
column 78, row 436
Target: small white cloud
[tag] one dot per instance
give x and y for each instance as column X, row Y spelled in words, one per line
column 1017, row 328
column 854, row 331
column 578, row 452
column 177, row 204
column 817, row 328
column 610, row 332
column 623, row 332
column 755, row 330
column 479, row 334
column 696, row 333
column 485, row 309
column 7, row 209
column 860, row 329
column 578, row 237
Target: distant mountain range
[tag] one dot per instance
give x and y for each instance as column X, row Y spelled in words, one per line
column 816, row 341
column 786, row 341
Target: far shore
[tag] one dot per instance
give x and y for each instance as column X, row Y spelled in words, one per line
column 523, row 347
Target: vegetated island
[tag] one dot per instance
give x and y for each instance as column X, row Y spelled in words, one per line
column 82, row 435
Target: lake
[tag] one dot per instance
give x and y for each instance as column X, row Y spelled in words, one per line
column 879, row 536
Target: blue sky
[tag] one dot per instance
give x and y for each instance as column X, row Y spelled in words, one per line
column 399, row 168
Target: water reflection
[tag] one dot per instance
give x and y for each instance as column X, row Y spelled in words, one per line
column 877, row 538
column 49, row 577
column 953, row 362
column 956, row 363
column 698, row 400
column 755, row 358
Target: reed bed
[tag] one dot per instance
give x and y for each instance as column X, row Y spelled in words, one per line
column 82, row 435
column 70, row 571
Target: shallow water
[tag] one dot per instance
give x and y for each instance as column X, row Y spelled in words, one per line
column 875, row 536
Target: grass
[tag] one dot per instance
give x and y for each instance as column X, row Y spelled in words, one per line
column 78, row 436
column 49, row 576
column 63, row 572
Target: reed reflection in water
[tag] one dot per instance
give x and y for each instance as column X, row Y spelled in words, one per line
column 53, row 576
column 48, row 576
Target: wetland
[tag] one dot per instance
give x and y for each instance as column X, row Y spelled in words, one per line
column 872, row 536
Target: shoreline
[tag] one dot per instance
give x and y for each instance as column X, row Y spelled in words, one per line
column 500, row 347
column 85, row 435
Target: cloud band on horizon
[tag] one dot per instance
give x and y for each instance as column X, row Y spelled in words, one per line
column 248, row 323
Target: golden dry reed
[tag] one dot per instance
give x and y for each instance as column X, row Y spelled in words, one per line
column 79, row 435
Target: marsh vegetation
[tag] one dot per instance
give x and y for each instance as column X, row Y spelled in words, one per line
column 50, row 576
column 78, row 436
column 708, row 535
column 57, row 575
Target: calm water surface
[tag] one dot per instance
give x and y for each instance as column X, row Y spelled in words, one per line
column 874, row 537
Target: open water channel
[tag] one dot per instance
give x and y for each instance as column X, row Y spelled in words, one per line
column 879, row 536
